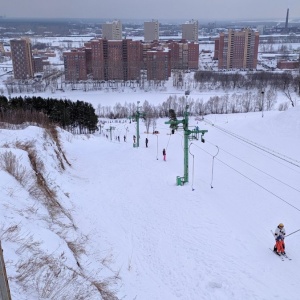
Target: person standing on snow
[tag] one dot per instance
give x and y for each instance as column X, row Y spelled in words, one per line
column 279, row 238
column 164, row 154
column 146, row 142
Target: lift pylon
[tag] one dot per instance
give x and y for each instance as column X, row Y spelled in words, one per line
column 188, row 135
column 136, row 117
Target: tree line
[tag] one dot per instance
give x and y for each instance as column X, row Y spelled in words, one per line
column 247, row 101
column 76, row 117
column 209, row 80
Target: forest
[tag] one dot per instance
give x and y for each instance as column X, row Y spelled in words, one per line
column 76, row 117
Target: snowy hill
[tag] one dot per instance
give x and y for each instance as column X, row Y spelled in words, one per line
column 117, row 221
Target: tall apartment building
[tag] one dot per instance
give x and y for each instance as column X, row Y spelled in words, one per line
column 97, row 46
column 116, row 60
column 151, row 31
column 190, row 31
column 184, row 55
column 124, row 60
column 22, row 58
column 132, row 59
column 112, row 31
column 75, row 65
column 158, row 64
column 237, row 49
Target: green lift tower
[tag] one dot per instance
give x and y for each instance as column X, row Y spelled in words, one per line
column 136, row 117
column 188, row 135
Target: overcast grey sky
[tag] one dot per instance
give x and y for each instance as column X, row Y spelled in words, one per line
column 158, row 9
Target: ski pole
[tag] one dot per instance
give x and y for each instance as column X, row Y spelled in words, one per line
column 293, row 232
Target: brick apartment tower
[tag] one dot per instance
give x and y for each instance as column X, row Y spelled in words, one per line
column 132, row 59
column 112, row 31
column 184, row 55
column 124, row 60
column 151, row 31
column 75, row 65
column 116, row 60
column 190, row 31
column 238, row 49
column 22, row 58
column 98, row 66
column 158, row 64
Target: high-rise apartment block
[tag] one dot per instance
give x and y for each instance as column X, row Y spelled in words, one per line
column 75, row 65
column 116, row 60
column 124, row 60
column 22, row 58
column 112, row 31
column 184, row 55
column 158, row 64
column 190, row 31
column 151, row 31
column 237, row 49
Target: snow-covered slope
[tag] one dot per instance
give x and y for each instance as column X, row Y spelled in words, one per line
column 122, row 217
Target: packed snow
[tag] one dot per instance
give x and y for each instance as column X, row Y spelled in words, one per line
column 207, row 239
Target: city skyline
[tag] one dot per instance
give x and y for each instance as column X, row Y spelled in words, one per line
column 213, row 10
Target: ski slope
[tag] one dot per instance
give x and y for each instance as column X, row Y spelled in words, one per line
column 208, row 239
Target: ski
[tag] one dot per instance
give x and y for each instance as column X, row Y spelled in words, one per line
column 287, row 257
column 280, row 256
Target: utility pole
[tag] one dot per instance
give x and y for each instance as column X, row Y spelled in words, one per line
column 4, row 287
column 136, row 117
column 188, row 135
column 111, row 128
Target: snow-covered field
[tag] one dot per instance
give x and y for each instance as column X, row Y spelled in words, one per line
column 117, row 216
column 122, row 215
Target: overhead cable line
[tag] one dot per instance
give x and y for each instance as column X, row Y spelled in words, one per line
column 253, row 181
column 256, row 168
column 254, row 144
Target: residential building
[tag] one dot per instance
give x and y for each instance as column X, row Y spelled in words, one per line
column 132, row 59
column 75, row 65
column 22, row 58
column 158, row 64
column 151, row 31
column 116, row 60
column 216, row 52
column 97, row 46
column 190, row 31
column 183, row 55
column 112, row 30
column 123, row 60
column 193, row 56
column 38, row 64
column 238, row 49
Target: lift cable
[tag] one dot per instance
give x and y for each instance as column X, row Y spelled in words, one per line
column 168, row 141
column 253, row 181
column 256, row 168
column 254, row 144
